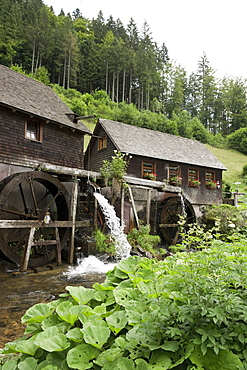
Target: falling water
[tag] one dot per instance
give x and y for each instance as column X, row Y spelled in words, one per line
column 116, row 229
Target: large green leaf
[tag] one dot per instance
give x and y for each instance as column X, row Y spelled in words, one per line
column 75, row 335
column 142, row 364
column 120, row 364
column 105, row 296
column 81, row 356
column 109, row 355
column 30, row 363
column 160, row 361
column 36, row 313
column 224, row 360
column 27, row 346
column 52, row 340
column 68, row 312
column 80, row 294
column 97, row 336
column 10, row 365
column 125, row 296
column 117, row 321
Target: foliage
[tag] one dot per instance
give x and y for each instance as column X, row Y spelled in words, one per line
column 186, row 312
column 229, row 219
column 195, row 182
column 238, row 140
column 116, row 168
column 135, row 73
column 244, row 173
column 141, row 238
column 104, row 243
column 150, row 176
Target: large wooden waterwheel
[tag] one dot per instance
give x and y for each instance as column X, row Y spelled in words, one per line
column 28, row 196
column 171, row 211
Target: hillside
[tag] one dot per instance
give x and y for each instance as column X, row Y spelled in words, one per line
column 234, row 162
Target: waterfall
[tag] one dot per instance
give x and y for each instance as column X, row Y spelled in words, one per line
column 117, row 235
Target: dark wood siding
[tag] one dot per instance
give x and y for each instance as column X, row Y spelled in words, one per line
column 59, row 146
column 94, row 157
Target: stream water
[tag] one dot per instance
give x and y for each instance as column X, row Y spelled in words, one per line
column 20, row 291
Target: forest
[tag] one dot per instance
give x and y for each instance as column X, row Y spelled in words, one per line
column 70, row 51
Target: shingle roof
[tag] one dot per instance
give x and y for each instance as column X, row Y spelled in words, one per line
column 30, row 96
column 156, row 144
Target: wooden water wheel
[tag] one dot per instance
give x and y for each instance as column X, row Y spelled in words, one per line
column 28, row 196
column 172, row 209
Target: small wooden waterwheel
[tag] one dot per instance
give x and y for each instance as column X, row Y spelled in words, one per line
column 172, row 208
column 25, row 199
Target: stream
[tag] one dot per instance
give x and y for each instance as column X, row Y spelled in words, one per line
column 19, row 291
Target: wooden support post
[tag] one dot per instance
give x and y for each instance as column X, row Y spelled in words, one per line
column 148, row 206
column 95, row 214
column 58, row 248
column 122, row 206
column 27, row 251
column 134, row 208
column 73, row 215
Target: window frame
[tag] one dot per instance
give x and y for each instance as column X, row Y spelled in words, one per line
column 152, row 167
column 102, row 142
column 33, row 130
column 211, row 178
column 192, row 177
column 173, row 173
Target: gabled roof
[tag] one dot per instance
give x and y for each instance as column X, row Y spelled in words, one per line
column 155, row 144
column 27, row 95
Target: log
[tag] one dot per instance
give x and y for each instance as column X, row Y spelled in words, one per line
column 24, row 224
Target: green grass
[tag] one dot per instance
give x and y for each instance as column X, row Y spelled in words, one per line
column 234, row 162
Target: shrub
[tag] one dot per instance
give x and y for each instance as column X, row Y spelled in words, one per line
column 228, row 218
column 238, row 140
column 104, row 244
column 141, row 238
column 187, row 312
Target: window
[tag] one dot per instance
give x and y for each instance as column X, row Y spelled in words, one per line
column 193, row 176
column 210, row 180
column 33, row 130
column 174, row 171
column 148, row 169
column 102, row 143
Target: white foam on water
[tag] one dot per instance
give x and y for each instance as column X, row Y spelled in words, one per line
column 90, row 264
column 117, row 235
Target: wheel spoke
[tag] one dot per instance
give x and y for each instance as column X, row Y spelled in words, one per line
column 33, row 196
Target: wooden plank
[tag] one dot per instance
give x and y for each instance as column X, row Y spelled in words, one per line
column 58, row 248
column 26, row 255
column 73, row 213
column 122, row 206
column 134, row 207
column 169, row 225
column 148, row 206
column 24, row 224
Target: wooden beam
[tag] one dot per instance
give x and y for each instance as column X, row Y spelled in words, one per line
column 148, row 206
column 25, row 224
column 27, row 251
column 122, row 206
column 58, row 248
column 73, row 213
column 134, row 208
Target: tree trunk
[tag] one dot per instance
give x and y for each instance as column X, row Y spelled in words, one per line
column 106, row 77
column 32, row 68
column 117, row 87
column 113, row 86
column 124, row 74
column 64, row 72
column 130, row 88
column 69, row 65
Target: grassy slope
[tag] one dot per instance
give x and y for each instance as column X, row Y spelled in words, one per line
column 234, row 162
